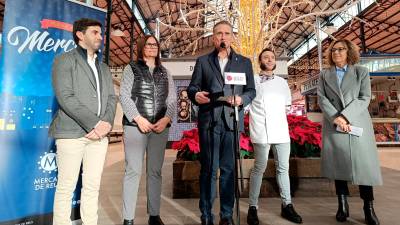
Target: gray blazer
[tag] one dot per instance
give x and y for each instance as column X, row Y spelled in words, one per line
column 75, row 89
column 345, row 156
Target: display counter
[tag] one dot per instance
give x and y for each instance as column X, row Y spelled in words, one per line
column 386, row 131
column 384, row 107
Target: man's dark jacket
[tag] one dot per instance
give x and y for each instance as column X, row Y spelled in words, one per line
column 207, row 76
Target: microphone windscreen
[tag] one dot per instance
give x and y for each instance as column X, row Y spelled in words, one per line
column 222, row 45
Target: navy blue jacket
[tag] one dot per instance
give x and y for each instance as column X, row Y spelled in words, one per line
column 207, row 77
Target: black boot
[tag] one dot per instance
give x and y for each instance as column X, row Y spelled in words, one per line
column 290, row 214
column 252, row 218
column 155, row 220
column 128, row 222
column 369, row 212
column 343, row 209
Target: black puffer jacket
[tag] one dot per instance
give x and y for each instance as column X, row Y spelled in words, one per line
column 149, row 92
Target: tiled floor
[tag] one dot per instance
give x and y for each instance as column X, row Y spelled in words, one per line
column 316, row 211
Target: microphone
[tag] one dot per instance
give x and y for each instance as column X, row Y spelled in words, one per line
column 222, row 47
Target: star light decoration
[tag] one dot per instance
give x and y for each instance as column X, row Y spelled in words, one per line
column 257, row 23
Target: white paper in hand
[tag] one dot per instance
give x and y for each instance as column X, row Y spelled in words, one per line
column 357, row 131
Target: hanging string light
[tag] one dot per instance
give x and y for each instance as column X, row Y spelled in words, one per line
column 257, row 23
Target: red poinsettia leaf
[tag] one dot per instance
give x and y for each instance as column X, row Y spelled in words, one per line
column 176, row 145
column 193, row 146
column 245, row 142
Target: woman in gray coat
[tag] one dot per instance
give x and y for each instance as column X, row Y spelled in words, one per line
column 344, row 94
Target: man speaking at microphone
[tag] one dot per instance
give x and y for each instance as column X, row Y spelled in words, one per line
column 215, row 122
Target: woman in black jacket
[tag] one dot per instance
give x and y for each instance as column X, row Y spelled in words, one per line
column 148, row 100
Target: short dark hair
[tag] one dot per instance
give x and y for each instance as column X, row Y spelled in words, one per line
column 140, row 47
column 82, row 25
column 266, row 50
column 353, row 52
column 222, row 22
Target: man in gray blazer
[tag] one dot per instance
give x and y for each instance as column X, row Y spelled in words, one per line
column 85, row 94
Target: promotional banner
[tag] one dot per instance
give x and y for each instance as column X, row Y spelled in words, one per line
column 34, row 32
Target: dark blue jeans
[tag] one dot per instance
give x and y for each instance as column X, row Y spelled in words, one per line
column 216, row 144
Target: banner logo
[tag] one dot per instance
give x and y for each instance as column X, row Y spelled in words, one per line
column 47, row 162
column 41, row 41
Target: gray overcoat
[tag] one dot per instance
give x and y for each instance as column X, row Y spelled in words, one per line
column 344, row 156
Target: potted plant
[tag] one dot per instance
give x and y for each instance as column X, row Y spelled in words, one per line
column 189, row 149
column 186, row 167
column 304, row 171
column 305, row 137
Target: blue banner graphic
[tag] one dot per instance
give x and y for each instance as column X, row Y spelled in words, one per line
column 34, row 32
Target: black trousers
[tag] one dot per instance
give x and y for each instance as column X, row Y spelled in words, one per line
column 366, row 192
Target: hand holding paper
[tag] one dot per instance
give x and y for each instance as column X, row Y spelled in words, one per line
column 230, row 100
column 357, row 131
column 234, row 101
column 201, row 97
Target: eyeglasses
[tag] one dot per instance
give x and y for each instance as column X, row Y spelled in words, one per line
column 338, row 49
column 152, row 45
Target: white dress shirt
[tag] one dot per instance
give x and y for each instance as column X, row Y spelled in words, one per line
column 92, row 64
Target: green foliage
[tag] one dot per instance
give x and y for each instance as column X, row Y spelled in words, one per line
column 304, row 151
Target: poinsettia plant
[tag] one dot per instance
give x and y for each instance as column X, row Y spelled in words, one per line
column 305, row 138
column 188, row 146
column 246, row 147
